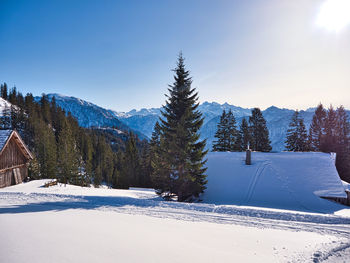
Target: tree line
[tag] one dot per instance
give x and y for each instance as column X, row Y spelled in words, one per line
column 329, row 132
column 252, row 133
column 65, row 151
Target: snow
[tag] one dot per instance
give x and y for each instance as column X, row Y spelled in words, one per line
column 66, row 223
column 288, row 180
column 4, row 135
column 3, row 105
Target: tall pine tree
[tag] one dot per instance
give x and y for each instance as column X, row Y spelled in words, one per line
column 243, row 135
column 221, row 144
column 259, row 133
column 297, row 139
column 180, row 164
column 316, row 131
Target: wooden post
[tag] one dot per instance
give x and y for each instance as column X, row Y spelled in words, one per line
column 248, row 157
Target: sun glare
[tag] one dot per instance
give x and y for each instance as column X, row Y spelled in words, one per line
column 334, row 15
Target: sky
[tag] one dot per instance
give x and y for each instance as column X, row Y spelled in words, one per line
column 119, row 54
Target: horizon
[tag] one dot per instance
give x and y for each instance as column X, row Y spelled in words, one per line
column 210, row 102
column 250, row 54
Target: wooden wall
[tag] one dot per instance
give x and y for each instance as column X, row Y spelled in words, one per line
column 13, row 165
column 11, row 156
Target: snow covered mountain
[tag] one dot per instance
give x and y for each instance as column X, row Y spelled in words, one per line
column 89, row 114
column 142, row 121
column 277, row 121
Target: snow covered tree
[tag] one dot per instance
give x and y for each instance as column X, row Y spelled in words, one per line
column 179, row 168
column 316, row 131
column 297, row 139
column 259, row 140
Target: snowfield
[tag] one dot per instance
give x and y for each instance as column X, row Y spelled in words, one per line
column 77, row 224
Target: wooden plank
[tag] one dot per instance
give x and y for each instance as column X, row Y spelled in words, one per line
column 17, row 174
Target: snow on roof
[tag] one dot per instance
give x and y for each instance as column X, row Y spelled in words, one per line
column 290, row 180
column 4, row 135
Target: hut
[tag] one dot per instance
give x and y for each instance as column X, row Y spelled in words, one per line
column 14, row 158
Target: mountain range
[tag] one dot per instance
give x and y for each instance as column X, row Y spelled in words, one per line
column 142, row 121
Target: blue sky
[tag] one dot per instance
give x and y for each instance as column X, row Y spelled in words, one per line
column 119, row 54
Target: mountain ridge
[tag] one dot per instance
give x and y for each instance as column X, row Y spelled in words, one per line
column 142, row 121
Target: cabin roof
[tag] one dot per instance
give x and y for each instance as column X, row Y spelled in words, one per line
column 293, row 180
column 6, row 135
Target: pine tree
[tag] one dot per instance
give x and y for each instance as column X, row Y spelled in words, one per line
column 180, row 162
column 221, row 135
column 342, row 133
column 131, row 163
column 4, row 92
column 259, row 132
column 328, row 141
column 68, row 157
column 317, row 126
column 232, row 132
column 297, row 139
column 45, row 149
column 243, row 137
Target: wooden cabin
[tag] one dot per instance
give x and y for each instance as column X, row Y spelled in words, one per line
column 14, row 158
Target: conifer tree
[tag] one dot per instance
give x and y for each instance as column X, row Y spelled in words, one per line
column 180, row 164
column 297, row 139
column 131, row 163
column 328, row 141
column 342, row 133
column 243, row 136
column 45, row 150
column 259, row 133
column 67, row 156
column 4, row 91
column 232, row 132
column 317, row 126
column 221, row 135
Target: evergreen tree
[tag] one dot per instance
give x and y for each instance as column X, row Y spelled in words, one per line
column 297, row 139
column 243, row 137
column 328, row 141
column 342, row 133
column 45, row 149
column 4, row 92
column 316, row 131
column 259, row 132
column 131, row 164
column 180, row 163
column 68, row 171
column 232, row 132
column 155, row 138
column 221, row 135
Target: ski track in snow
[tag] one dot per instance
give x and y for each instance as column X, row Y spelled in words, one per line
column 17, row 202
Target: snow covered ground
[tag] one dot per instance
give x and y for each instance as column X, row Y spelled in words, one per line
column 76, row 224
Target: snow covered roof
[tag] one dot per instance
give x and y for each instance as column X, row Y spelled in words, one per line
column 5, row 136
column 291, row 180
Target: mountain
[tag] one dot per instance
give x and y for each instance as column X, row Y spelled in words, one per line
column 142, row 121
column 90, row 115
